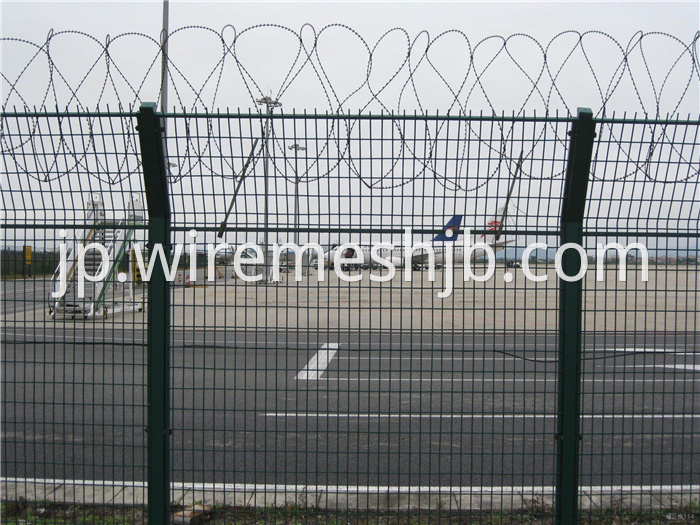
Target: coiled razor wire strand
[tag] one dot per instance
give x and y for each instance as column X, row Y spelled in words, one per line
column 418, row 62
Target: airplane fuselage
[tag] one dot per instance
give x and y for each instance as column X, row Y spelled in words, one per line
column 397, row 257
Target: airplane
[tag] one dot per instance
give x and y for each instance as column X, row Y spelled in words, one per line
column 448, row 235
column 445, row 238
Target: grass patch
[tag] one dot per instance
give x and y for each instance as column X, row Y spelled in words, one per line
column 45, row 512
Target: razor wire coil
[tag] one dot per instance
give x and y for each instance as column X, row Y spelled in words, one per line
column 198, row 97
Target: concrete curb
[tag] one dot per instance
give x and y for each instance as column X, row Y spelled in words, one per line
column 348, row 497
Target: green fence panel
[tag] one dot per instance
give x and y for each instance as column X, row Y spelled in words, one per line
column 73, row 369
column 365, row 400
column 640, row 392
column 291, row 398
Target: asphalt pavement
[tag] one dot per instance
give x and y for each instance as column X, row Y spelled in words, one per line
column 421, row 403
column 247, row 408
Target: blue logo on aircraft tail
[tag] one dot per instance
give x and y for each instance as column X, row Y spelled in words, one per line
column 453, row 226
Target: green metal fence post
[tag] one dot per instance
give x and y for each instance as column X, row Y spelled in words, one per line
column 153, row 163
column 570, row 307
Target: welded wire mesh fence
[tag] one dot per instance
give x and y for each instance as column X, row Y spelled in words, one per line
column 313, row 389
column 73, row 369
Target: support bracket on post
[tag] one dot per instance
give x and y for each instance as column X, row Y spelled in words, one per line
column 570, row 308
column 151, row 139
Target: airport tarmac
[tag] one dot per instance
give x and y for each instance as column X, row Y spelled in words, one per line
column 364, row 423
column 668, row 301
column 362, row 395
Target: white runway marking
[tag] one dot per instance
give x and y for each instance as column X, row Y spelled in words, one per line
column 321, row 415
column 683, row 353
column 318, row 363
column 407, row 416
column 500, row 379
column 671, row 350
column 467, row 359
column 694, row 368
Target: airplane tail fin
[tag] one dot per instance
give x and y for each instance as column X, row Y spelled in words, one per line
column 495, row 229
column 453, row 227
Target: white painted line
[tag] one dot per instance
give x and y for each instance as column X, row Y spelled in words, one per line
column 694, row 368
column 473, row 359
column 671, row 350
column 686, row 353
column 633, row 379
column 330, row 415
column 368, row 489
column 318, row 363
column 540, row 348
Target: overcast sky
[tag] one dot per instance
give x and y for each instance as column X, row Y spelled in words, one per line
column 267, row 54
column 32, row 20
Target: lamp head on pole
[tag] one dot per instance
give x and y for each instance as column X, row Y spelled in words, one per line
column 269, row 102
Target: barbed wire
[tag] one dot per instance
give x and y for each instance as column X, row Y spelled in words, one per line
column 335, row 70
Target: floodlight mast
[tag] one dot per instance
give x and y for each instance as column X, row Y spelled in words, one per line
column 164, row 59
column 504, row 217
column 270, row 104
column 222, row 227
column 297, row 148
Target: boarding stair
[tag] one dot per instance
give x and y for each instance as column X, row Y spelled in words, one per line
column 108, row 294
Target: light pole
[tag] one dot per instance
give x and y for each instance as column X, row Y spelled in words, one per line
column 164, row 59
column 270, row 104
column 297, row 148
